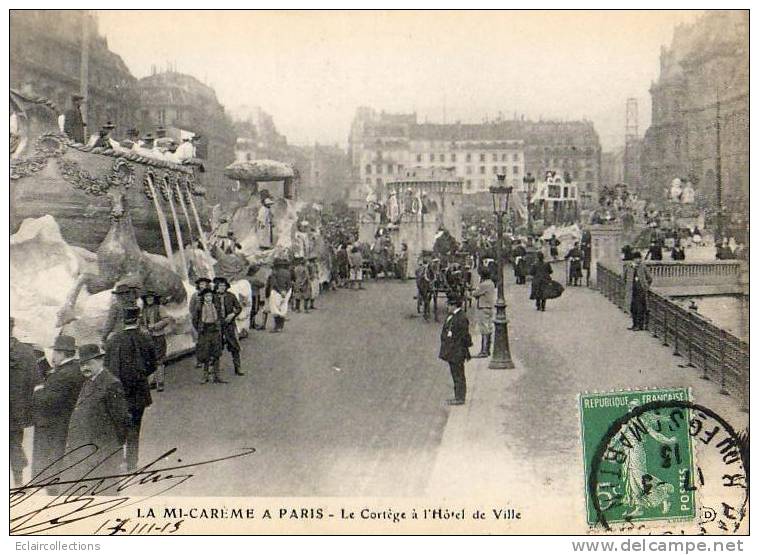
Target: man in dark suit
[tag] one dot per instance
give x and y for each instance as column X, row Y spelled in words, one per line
column 54, row 401
column 21, row 379
column 229, row 309
column 130, row 356
column 455, row 341
column 101, row 420
column 73, row 123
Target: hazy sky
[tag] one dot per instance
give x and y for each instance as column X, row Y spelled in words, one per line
column 310, row 70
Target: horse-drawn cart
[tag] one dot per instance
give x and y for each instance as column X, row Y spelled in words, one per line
column 441, row 276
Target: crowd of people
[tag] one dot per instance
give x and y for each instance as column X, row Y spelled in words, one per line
column 86, row 405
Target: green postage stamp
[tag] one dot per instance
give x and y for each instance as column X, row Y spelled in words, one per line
column 638, row 456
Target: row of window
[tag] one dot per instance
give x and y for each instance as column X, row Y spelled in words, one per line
column 483, row 157
column 480, row 183
column 379, row 168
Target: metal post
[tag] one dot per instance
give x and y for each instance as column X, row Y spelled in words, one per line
column 84, row 67
column 718, row 172
column 501, row 359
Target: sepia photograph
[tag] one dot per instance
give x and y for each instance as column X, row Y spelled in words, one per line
column 379, row 272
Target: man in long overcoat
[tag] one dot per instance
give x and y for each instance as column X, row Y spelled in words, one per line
column 130, row 356
column 21, row 379
column 73, row 123
column 455, row 341
column 100, row 422
column 641, row 283
column 54, row 400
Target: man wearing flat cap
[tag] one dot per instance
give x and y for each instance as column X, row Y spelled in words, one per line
column 455, row 341
column 54, row 400
column 100, row 422
column 228, row 308
column 71, row 122
column 130, row 356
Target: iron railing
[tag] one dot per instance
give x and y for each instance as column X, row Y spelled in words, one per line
column 720, row 356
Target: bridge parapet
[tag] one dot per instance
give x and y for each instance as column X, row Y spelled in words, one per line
column 720, row 355
column 688, row 278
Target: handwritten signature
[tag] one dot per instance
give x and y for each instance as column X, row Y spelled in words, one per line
column 77, row 496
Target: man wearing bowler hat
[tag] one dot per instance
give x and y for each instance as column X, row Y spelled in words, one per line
column 229, row 309
column 53, row 401
column 455, row 341
column 100, row 422
column 130, row 356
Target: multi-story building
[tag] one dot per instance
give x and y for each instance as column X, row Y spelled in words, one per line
column 257, row 136
column 56, row 53
column 703, row 81
column 613, row 167
column 177, row 101
column 385, row 146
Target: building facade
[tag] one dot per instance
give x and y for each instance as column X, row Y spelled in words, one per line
column 613, row 167
column 703, row 81
column 56, row 53
column 177, row 101
column 384, row 147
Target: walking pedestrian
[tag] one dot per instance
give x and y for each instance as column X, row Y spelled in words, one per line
column 101, row 421
column 343, row 265
column 206, row 321
column 313, row 279
column 356, row 261
column 553, row 244
column 485, row 295
column 301, row 284
column 229, row 309
column 54, row 401
column 519, row 254
column 279, row 290
column 403, row 262
column 130, row 356
column 157, row 322
column 541, row 276
column 455, row 341
column 574, row 257
column 22, row 367
column 586, row 248
column 201, row 284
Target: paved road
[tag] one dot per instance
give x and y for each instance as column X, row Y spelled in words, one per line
column 370, row 428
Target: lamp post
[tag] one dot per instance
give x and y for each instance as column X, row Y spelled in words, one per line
column 501, row 359
column 528, row 181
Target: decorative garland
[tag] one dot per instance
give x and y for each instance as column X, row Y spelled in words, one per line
column 49, row 145
column 121, row 174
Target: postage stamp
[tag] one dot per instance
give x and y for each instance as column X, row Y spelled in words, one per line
column 638, row 463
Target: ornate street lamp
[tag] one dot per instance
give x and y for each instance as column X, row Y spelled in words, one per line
column 528, row 181
column 501, row 358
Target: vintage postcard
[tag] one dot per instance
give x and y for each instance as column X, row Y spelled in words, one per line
column 379, row 272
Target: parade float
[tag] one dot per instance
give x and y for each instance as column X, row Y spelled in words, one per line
column 412, row 210
column 555, row 201
column 84, row 218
